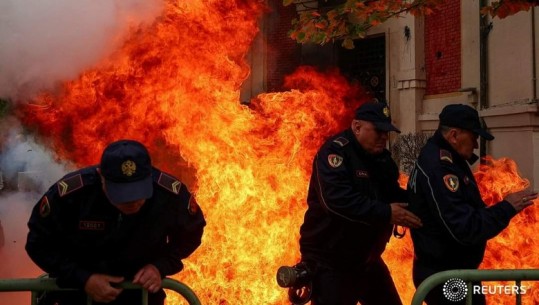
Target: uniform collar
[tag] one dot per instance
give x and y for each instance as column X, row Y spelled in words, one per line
column 441, row 142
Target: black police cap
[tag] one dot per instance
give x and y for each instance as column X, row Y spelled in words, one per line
column 465, row 117
column 378, row 114
column 127, row 169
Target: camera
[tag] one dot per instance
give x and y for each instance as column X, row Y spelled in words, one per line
column 298, row 281
column 298, row 275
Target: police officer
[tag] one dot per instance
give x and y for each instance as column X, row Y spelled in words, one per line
column 353, row 200
column 444, row 194
column 121, row 220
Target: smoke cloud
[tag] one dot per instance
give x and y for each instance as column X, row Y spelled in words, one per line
column 26, row 171
column 45, row 42
column 25, row 164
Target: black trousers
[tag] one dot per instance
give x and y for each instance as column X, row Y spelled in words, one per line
column 372, row 285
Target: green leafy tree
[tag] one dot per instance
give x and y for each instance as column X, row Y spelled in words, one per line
column 351, row 19
column 505, row 8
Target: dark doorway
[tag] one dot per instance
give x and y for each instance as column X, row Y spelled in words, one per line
column 366, row 64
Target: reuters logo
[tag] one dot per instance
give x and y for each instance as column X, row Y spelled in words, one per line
column 455, row 290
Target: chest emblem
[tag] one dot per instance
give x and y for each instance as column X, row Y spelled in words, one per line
column 451, row 182
column 335, row 160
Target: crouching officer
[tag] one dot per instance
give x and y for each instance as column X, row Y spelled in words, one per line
column 121, row 220
column 354, row 199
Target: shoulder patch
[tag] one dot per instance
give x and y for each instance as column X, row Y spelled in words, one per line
column 451, row 182
column 192, row 207
column 445, row 155
column 44, row 207
column 68, row 185
column 170, row 183
column 341, row 141
column 335, row 160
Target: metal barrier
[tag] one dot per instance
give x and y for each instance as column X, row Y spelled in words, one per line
column 49, row 284
column 472, row 275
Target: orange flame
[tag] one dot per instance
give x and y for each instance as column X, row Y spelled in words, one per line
column 514, row 248
column 175, row 86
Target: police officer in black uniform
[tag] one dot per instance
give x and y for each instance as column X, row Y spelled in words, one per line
column 121, row 220
column 353, row 201
column 444, row 194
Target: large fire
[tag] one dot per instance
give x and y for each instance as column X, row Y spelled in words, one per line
column 175, row 86
column 514, row 248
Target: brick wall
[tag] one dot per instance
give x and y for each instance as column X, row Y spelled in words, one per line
column 283, row 53
column 443, row 49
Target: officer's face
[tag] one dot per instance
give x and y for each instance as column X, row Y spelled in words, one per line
column 465, row 142
column 371, row 139
column 131, row 207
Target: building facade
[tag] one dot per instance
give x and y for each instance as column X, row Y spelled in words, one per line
column 421, row 64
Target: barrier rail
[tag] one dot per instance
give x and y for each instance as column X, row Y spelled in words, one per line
column 49, row 284
column 472, row 275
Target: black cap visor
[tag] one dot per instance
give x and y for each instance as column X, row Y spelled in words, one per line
column 484, row 134
column 385, row 126
column 119, row 193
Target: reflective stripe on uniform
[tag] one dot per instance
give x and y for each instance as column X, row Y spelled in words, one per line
column 436, row 203
column 322, row 194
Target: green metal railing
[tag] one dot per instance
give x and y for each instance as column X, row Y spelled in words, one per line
column 472, row 275
column 49, row 284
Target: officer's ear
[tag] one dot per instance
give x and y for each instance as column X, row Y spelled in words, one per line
column 100, row 176
column 356, row 126
column 452, row 135
column 102, row 180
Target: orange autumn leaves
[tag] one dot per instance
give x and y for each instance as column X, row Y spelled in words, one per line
column 347, row 20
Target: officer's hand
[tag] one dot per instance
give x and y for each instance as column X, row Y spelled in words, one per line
column 149, row 278
column 99, row 287
column 521, row 200
column 402, row 217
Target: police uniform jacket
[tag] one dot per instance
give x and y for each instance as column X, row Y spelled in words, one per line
column 347, row 223
column 75, row 231
column 456, row 222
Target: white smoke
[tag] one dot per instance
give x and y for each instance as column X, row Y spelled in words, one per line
column 25, row 164
column 45, row 42
column 27, row 170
